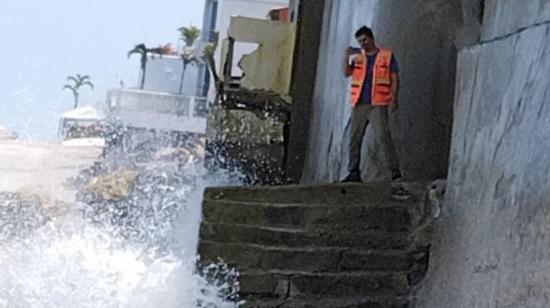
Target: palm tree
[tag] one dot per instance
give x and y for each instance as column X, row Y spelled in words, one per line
column 208, row 57
column 144, row 52
column 189, row 35
column 77, row 82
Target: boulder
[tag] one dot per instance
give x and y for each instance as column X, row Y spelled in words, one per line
column 115, row 185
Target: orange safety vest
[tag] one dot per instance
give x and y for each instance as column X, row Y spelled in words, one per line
column 381, row 82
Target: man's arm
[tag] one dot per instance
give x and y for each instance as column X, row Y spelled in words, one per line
column 394, row 66
column 347, row 69
column 395, row 91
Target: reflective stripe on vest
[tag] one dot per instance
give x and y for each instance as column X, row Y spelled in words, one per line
column 381, row 79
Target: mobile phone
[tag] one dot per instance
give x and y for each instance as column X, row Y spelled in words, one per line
column 355, row 50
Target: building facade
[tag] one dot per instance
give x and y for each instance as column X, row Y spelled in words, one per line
column 164, row 74
column 217, row 19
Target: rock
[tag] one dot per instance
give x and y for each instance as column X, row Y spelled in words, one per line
column 114, row 186
column 242, row 141
column 436, row 196
column 20, row 216
column 181, row 155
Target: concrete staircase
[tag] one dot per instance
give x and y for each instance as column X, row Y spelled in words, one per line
column 341, row 245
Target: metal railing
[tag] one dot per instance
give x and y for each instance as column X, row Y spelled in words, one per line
column 158, row 102
column 158, row 110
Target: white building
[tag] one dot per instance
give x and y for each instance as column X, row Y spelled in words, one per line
column 217, row 18
column 165, row 103
column 160, row 111
column 81, row 123
column 164, row 74
column 5, row 134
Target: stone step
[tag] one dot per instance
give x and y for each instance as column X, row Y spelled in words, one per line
column 301, row 238
column 318, row 259
column 336, row 194
column 294, row 283
column 316, row 302
column 393, row 217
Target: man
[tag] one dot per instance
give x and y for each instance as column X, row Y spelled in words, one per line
column 374, row 92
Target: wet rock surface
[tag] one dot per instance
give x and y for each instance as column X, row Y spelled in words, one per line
column 248, row 143
column 144, row 212
column 142, row 186
column 20, row 216
column 126, row 240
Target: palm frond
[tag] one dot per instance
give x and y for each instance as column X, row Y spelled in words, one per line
column 209, row 50
column 131, row 52
column 189, row 35
column 73, row 79
column 139, row 49
column 88, row 83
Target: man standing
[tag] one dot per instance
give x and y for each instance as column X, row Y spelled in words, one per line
column 374, row 92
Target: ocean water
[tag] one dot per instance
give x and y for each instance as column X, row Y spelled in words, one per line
column 115, row 246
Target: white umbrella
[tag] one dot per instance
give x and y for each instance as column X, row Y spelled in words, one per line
column 5, row 134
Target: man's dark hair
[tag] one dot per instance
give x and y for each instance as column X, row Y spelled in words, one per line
column 364, row 30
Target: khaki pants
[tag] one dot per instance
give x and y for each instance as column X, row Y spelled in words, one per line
column 361, row 116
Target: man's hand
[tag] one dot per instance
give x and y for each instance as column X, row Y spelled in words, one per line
column 348, row 52
column 347, row 70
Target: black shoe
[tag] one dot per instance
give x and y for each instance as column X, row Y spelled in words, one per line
column 400, row 193
column 396, row 175
column 353, row 177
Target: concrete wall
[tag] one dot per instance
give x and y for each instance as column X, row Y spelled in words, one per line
column 241, row 141
column 247, row 8
column 309, row 17
column 269, row 67
column 421, row 34
column 492, row 242
column 327, row 150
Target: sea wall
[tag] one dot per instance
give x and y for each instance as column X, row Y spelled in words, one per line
column 491, row 247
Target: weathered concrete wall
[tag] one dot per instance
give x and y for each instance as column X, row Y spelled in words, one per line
column 239, row 140
column 306, row 56
column 269, row 67
column 504, row 17
column 326, row 156
column 492, row 248
column 421, row 34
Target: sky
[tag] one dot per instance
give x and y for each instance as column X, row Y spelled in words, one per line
column 44, row 41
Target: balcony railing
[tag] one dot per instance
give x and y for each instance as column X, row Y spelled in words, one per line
column 158, row 110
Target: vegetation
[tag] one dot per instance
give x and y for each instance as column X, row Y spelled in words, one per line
column 143, row 51
column 76, row 82
column 188, row 55
column 208, row 57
